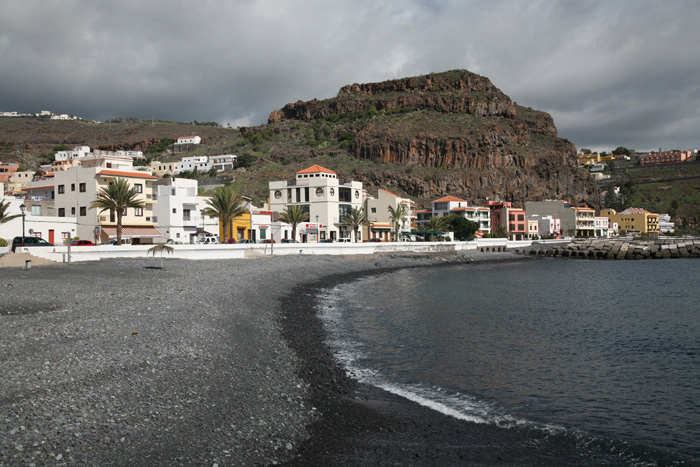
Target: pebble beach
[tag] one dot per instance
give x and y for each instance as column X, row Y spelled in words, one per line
column 222, row 362
column 118, row 362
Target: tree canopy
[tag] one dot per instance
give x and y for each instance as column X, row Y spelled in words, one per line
column 227, row 206
column 462, row 228
column 117, row 197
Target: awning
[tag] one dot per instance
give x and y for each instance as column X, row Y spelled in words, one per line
column 132, row 232
column 381, row 227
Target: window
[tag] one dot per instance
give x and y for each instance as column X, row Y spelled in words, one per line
column 72, row 211
column 138, row 187
column 374, row 210
column 61, row 212
column 82, row 188
column 138, row 211
column 61, row 189
column 36, row 210
column 83, row 211
column 521, row 217
column 174, row 210
column 72, row 187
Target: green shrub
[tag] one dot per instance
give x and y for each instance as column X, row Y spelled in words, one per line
column 287, row 160
column 3, row 242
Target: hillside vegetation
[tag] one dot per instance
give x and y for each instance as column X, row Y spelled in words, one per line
column 422, row 137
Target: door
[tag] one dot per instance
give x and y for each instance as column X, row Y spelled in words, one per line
column 51, row 236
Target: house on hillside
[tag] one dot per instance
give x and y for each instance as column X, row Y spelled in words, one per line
column 188, row 140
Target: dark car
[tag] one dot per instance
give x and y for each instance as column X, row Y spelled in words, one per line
column 29, row 241
column 289, row 240
column 267, row 240
column 81, row 243
column 327, row 240
column 246, row 240
column 375, row 240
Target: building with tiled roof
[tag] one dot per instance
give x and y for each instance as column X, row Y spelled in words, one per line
column 77, row 188
column 633, row 220
column 324, row 197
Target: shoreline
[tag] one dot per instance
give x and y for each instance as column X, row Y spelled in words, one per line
column 217, row 362
column 117, row 362
column 361, row 424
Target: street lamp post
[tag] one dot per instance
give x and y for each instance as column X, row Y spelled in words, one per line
column 23, row 208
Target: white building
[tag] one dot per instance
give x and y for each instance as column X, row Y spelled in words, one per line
column 77, row 188
column 78, row 152
column 665, row 224
column 448, row 205
column 178, row 211
column 199, row 163
column 323, row 196
column 602, row 227
column 548, row 226
column 377, row 212
column 49, row 227
column 222, row 162
column 188, row 140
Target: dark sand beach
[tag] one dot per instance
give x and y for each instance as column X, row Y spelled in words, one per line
column 215, row 362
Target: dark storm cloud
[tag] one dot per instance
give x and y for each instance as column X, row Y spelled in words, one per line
column 610, row 73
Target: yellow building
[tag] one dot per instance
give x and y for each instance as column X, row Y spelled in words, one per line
column 584, row 159
column 634, row 220
column 240, row 228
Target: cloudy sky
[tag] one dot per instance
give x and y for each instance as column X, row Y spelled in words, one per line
column 611, row 73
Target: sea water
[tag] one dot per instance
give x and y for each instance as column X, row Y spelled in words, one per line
column 601, row 350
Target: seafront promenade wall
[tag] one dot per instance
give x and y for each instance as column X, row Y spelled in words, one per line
column 60, row 254
column 620, row 248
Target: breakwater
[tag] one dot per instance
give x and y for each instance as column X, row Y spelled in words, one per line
column 619, row 248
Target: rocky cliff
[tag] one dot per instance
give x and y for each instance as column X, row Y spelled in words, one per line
column 462, row 135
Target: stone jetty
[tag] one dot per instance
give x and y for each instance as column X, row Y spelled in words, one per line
column 619, row 248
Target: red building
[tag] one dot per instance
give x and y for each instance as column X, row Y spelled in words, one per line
column 512, row 219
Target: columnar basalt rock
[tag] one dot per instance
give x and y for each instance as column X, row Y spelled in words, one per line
column 483, row 143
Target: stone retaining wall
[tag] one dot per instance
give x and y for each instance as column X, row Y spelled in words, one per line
column 622, row 248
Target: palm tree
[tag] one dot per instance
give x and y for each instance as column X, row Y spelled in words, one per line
column 396, row 215
column 160, row 247
column 4, row 216
column 437, row 223
column 294, row 215
column 117, row 197
column 355, row 218
column 227, row 206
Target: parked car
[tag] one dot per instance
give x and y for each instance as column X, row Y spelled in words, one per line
column 29, row 241
column 344, row 240
column 125, row 241
column 375, row 240
column 82, row 243
column 289, row 240
column 209, row 240
column 327, row 240
column 267, row 240
column 246, row 240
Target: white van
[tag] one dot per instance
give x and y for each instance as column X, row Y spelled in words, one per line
column 344, row 240
column 209, row 240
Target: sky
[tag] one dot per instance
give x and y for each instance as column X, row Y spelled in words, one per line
column 611, row 73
